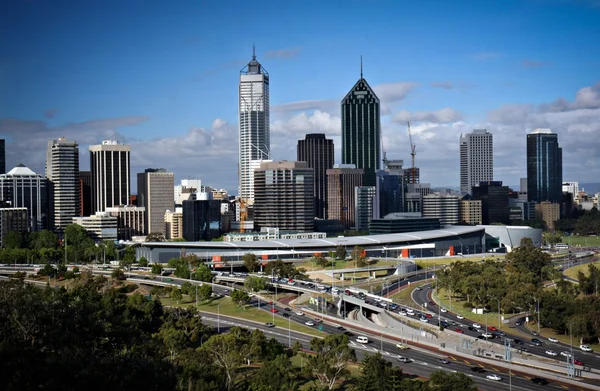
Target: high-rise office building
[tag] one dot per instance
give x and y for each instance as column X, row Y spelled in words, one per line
column 390, row 192
column 23, row 188
column 109, row 163
column 284, row 196
column 62, row 170
column 361, row 130
column 341, row 181
column 494, row 202
column 317, row 151
column 544, row 166
column 130, row 220
column 201, row 218
column 155, row 193
column 364, row 202
column 476, row 159
column 2, row 156
column 85, row 193
column 444, row 207
column 469, row 211
column 255, row 135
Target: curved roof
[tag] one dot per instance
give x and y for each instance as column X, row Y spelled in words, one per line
column 21, row 170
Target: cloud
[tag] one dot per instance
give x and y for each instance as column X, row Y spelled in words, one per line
column 445, row 85
column 50, row 113
column 533, row 63
column 444, row 115
column 393, row 92
column 302, row 123
column 585, row 98
column 306, row 105
column 283, row 53
column 484, row 56
column 511, row 113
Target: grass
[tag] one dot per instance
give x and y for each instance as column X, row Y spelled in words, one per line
column 340, row 264
column 404, row 297
column 581, row 240
column 228, row 308
column 430, row 262
column 573, row 271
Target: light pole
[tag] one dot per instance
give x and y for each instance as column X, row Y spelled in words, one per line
column 499, row 318
column 219, row 318
column 290, row 331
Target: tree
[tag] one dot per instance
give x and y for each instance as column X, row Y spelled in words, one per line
column 129, row 255
column 358, row 254
column 275, row 374
column 187, row 288
column 239, row 297
column 157, row 268
column 552, row 238
column 251, row 262
column 176, row 294
column 118, row 274
column 78, row 244
column 44, row 239
column 13, row 240
column 203, row 273
column 181, row 267
column 328, row 364
column 340, row 252
column 256, row 284
column 143, row 262
column 374, row 373
column 181, row 329
column 447, row 381
column 204, row 292
column 155, row 237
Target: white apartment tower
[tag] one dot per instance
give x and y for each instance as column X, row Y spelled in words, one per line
column 62, row 171
column 255, row 135
column 109, row 164
column 476, row 159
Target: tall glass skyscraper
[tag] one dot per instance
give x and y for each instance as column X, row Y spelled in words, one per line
column 544, row 166
column 361, row 130
column 476, row 159
column 255, row 135
column 317, row 151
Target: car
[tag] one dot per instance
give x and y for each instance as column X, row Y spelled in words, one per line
column 493, row 376
column 274, row 310
column 429, row 316
column 470, row 328
column 299, row 313
column 317, row 320
column 443, row 361
column 443, row 310
column 285, row 315
column 362, row 339
column 476, row 325
column 536, row 342
column 402, row 313
column 551, row 353
column 341, row 328
column 287, row 309
column 539, row 380
column 459, row 331
column 565, row 353
column 424, row 319
column 551, row 339
column 518, row 324
column 459, row 316
column 585, row 348
column 518, row 342
column 348, row 333
column 577, row 362
column 402, row 346
column 535, row 334
column 487, row 335
column 419, row 288
column 309, row 323
column 492, row 328
column 270, row 303
column 403, row 359
column 477, row 369
column 269, row 324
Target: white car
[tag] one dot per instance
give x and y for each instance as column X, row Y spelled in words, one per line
column 565, row 353
column 476, row 325
column 309, row 323
column 493, row 376
column 424, row 320
column 585, row 348
column 443, row 310
column 362, row 339
column 551, row 353
column 299, row 313
column 553, row 340
column 460, row 316
column 403, row 313
column 487, row 335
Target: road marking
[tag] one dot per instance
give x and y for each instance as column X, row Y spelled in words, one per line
column 424, row 363
column 453, row 358
column 495, row 369
column 468, row 363
column 352, row 342
column 375, row 350
column 526, row 377
column 565, row 387
column 388, row 353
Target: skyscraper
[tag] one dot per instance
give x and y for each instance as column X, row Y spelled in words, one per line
column 155, row 193
column 544, row 166
column 62, row 170
column 361, row 130
column 341, row 181
column 476, row 159
column 85, row 193
column 2, row 156
column 109, row 163
column 255, row 135
column 317, row 151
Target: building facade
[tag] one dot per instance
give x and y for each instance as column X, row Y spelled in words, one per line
column 99, row 226
column 13, row 220
column 130, row 220
column 443, row 207
column 201, row 219
column 23, row 188
column 341, row 181
column 110, row 167
column 544, row 166
column 62, row 170
column 317, row 151
column 361, row 130
column 549, row 212
column 476, row 159
column 254, row 128
column 470, row 212
column 2, row 156
column 174, row 224
column 390, row 193
column 364, row 200
column 85, row 193
column 155, row 194
column 494, row 202
column 284, row 196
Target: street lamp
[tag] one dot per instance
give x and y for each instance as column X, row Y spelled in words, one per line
column 499, row 319
column 290, row 331
column 219, row 318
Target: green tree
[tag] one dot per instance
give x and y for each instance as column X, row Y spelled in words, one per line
column 204, row 292
column 143, row 262
column 129, row 255
column 78, row 243
column 340, row 252
column 374, row 373
column 187, row 288
column 157, row 268
column 331, row 357
column 176, row 294
column 251, row 262
column 275, row 374
column 118, row 274
column 447, row 381
column 239, row 297
column 155, row 237
column 203, row 273
column 181, row 329
column 181, row 267
column 256, row 284
column 13, row 240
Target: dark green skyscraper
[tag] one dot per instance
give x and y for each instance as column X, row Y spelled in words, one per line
column 361, row 130
column 544, row 166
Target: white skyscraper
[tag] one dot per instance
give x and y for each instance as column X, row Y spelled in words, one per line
column 62, row 170
column 109, row 163
column 255, row 135
column 476, row 159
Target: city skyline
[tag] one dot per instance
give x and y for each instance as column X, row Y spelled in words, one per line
column 174, row 100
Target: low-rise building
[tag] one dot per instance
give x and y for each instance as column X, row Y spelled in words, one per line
column 130, row 220
column 100, row 226
column 174, row 224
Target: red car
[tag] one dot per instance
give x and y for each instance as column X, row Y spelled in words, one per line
column 274, row 310
column 577, row 362
column 492, row 328
column 459, row 331
column 270, row 303
column 429, row 315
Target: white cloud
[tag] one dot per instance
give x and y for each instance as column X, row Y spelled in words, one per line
column 443, row 115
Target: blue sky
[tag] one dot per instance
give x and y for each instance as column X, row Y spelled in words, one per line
column 163, row 77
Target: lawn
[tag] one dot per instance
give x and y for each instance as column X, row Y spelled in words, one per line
column 581, row 240
column 228, row 308
column 340, row 264
column 572, row 271
column 404, row 296
column 432, row 262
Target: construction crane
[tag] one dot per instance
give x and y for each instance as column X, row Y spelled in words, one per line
column 413, row 153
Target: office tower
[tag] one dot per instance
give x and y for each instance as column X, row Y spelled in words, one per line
column 476, row 159
column 188, row 186
column 363, row 205
column 413, row 198
column 12, row 219
column 361, row 130
column 100, row 226
column 174, row 224
column 494, row 202
column 549, row 212
column 23, row 188
column 2, row 156
column 317, row 151
column 85, row 193
column 443, row 207
column 255, row 135
column 341, row 181
column 409, row 173
column 284, row 196
column 109, row 163
column 544, row 166
column 201, row 218
column 390, row 192
column 155, row 193
column 62, row 170
column 470, row 211
column 131, row 220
